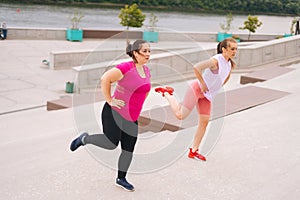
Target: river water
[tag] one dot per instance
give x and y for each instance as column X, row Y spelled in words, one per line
column 103, row 18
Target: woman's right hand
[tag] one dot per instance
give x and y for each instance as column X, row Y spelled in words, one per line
column 116, row 103
column 204, row 87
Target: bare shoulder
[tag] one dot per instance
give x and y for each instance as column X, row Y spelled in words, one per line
column 215, row 64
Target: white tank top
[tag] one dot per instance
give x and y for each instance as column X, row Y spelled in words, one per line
column 215, row 79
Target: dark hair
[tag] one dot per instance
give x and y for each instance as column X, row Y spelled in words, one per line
column 219, row 48
column 225, row 44
column 136, row 46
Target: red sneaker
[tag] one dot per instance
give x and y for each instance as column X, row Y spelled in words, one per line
column 162, row 90
column 196, row 155
column 170, row 90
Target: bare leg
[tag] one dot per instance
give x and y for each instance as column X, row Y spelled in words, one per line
column 180, row 111
column 202, row 124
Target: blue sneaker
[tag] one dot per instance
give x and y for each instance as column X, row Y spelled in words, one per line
column 122, row 182
column 78, row 142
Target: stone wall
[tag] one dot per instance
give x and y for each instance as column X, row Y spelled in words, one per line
column 36, row 34
column 268, row 52
column 176, row 64
column 69, row 59
column 60, row 34
column 163, row 66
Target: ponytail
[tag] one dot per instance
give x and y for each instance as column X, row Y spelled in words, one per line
column 129, row 51
column 219, row 48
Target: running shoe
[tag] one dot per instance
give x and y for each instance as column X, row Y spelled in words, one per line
column 78, row 142
column 196, row 155
column 162, row 90
column 123, row 183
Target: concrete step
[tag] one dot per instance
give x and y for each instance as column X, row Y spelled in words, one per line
column 224, row 104
column 264, row 74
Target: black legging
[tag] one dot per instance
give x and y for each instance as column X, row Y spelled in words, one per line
column 116, row 129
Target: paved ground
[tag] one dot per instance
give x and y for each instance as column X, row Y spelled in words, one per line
column 256, row 157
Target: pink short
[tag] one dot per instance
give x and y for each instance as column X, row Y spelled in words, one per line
column 194, row 96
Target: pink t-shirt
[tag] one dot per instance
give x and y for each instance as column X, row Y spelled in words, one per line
column 132, row 89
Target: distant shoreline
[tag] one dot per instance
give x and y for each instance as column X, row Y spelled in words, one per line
column 56, row 16
column 147, row 8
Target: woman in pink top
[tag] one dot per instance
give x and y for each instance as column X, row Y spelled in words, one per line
column 211, row 75
column 122, row 109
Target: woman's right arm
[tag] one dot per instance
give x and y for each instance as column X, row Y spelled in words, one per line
column 107, row 79
column 200, row 66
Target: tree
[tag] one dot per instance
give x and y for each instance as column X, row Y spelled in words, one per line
column 153, row 22
column 251, row 24
column 227, row 26
column 294, row 21
column 75, row 19
column 131, row 16
column 292, row 8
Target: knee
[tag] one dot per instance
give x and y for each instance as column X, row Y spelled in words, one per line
column 182, row 112
column 111, row 145
column 128, row 148
column 203, row 124
column 128, row 152
column 180, row 116
column 204, row 121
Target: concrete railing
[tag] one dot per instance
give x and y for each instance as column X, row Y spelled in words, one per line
column 268, row 52
column 177, row 63
column 36, row 34
column 60, row 34
column 163, row 66
column 69, row 59
column 210, row 36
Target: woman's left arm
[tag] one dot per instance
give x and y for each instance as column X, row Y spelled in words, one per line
column 227, row 77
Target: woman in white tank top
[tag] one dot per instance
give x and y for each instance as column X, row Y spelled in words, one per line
column 211, row 75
